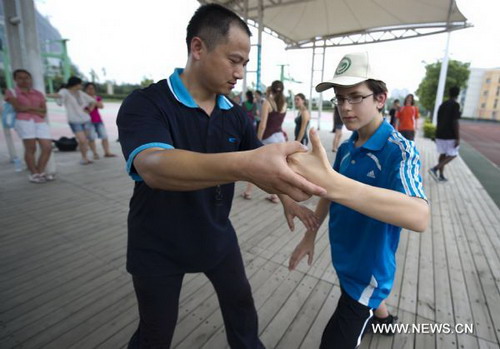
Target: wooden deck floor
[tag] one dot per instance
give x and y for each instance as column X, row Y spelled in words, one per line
column 63, row 283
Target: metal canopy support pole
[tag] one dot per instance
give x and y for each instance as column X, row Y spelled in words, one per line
column 259, row 44
column 444, row 67
column 65, row 60
column 442, row 80
column 313, row 70
column 320, row 108
column 244, row 87
column 312, row 78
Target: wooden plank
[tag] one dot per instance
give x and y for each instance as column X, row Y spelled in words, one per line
column 299, row 328
column 313, row 336
column 54, row 268
column 444, row 306
column 276, row 330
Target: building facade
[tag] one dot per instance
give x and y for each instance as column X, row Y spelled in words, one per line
column 481, row 98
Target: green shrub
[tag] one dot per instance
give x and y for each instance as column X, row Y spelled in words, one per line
column 429, row 129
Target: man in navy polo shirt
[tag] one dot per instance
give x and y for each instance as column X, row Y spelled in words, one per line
column 186, row 144
column 373, row 190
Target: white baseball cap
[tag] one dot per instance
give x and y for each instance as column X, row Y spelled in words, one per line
column 353, row 69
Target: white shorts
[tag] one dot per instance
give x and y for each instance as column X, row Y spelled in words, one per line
column 29, row 129
column 277, row 137
column 447, row 147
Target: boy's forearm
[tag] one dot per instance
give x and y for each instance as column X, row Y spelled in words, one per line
column 382, row 204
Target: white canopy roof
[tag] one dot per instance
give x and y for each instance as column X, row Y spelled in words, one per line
column 299, row 23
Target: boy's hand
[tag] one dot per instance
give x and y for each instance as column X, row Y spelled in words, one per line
column 305, row 247
column 267, row 168
column 306, row 216
column 313, row 165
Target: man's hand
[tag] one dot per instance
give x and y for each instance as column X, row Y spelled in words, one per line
column 267, row 168
column 306, row 216
column 304, row 248
column 313, row 165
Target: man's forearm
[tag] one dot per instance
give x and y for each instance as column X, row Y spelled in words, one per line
column 181, row 170
column 267, row 167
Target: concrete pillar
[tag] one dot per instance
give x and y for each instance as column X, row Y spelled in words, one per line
column 24, row 48
column 33, row 59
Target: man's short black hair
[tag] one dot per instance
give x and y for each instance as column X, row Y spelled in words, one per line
column 211, row 23
column 19, row 71
column 454, row 92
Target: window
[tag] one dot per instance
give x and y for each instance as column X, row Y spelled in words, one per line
column 498, row 91
column 485, row 92
column 495, row 104
column 483, row 105
column 494, row 115
column 488, row 80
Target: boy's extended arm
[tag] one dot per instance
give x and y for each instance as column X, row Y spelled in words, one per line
column 306, row 245
column 382, row 204
column 181, row 170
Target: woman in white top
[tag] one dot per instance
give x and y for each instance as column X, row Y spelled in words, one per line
column 77, row 104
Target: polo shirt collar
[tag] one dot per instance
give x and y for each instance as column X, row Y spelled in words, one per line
column 378, row 139
column 181, row 93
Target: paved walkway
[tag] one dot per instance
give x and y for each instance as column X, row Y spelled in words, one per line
column 63, row 282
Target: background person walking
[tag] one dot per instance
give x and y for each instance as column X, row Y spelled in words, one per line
column 407, row 117
column 447, row 134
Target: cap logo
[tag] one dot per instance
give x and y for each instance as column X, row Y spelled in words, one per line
column 344, row 64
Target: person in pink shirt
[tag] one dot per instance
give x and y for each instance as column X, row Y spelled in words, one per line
column 31, row 124
column 98, row 129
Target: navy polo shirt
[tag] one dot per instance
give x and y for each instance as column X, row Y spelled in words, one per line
column 173, row 231
column 363, row 248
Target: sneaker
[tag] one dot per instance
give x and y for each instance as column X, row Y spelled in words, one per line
column 434, row 173
column 389, row 320
column 443, row 179
column 36, row 178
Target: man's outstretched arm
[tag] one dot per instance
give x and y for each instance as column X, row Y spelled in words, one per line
column 180, row 170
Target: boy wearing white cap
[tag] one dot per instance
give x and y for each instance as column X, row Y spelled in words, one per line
column 373, row 190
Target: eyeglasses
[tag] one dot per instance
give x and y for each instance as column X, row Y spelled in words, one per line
column 351, row 100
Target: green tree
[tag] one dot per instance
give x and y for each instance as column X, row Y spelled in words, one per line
column 146, row 82
column 457, row 75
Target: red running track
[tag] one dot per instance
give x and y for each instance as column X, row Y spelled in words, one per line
column 484, row 137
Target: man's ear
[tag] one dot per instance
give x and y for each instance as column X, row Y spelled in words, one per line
column 197, row 47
